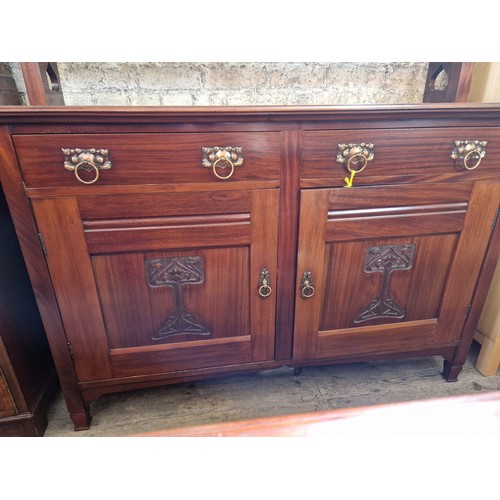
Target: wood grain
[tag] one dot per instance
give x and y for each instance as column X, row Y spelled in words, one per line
column 349, row 289
column 148, row 158
column 36, row 266
column 134, row 311
column 287, row 240
column 472, row 246
column 398, row 153
column 264, row 250
column 37, row 85
column 71, row 272
column 164, row 205
column 311, row 251
column 374, row 339
column 428, row 291
column 167, row 236
column 199, row 354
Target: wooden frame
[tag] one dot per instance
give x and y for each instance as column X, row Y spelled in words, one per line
column 38, row 89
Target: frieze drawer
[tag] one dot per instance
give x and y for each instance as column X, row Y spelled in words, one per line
column 75, row 160
column 399, row 155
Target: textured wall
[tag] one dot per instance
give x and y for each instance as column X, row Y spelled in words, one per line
column 238, row 83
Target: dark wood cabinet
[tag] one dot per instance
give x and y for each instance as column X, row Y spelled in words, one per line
column 171, row 244
column 27, row 374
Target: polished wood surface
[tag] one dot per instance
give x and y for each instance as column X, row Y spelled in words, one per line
column 27, row 372
column 106, row 258
column 283, row 214
column 27, row 234
column 401, row 156
column 148, row 159
column 433, row 293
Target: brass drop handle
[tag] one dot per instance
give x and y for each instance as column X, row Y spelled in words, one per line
column 469, row 151
column 265, row 283
column 223, row 163
column 220, row 159
column 355, row 156
column 89, row 160
column 306, row 288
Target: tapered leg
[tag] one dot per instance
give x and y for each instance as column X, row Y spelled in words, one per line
column 450, row 372
column 81, row 420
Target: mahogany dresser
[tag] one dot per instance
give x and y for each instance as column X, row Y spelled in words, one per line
column 171, row 244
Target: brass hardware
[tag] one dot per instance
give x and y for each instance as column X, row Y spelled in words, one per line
column 306, row 288
column 353, row 154
column 90, row 160
column 467, row 150
column 264, row 284
column 218, row 158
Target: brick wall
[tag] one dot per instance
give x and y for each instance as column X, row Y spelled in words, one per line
column 238, row 83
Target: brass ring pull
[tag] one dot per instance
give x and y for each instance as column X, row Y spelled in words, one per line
column 468, row 156
column 225, row 160
column 220, row 158
column 306, row 288
column 265, row 284
column 351, row 155
column 470, row 152
column 84, row 165
column 87, row 159
column 351, row 159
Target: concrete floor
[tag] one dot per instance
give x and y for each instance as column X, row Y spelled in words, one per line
column 270, row 393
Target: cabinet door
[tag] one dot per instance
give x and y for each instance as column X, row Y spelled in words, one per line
column 388, row 269
column 156, row 283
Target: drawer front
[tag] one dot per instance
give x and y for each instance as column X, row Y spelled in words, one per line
column 149, row 158
column 399, row 155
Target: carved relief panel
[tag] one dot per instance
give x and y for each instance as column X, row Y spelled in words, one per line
column 175, row 282
column 384, row 275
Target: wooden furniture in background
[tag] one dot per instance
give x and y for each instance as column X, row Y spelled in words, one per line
column 488, row 330
column 172, row 244
column 485, row 87
column 43, row 85
column 458, row 78
column 27, row 374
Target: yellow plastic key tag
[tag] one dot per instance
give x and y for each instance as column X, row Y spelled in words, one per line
column 350, row 180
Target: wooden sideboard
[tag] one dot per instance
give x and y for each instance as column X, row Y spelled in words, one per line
column 171, row 244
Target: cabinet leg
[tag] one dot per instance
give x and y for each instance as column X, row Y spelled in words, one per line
column 81, row 420
column 297, row 372
column 451, row 372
